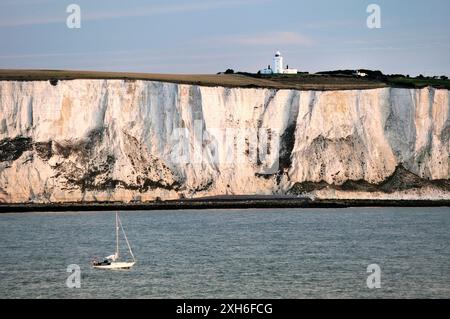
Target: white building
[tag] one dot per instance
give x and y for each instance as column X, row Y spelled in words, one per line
column 359, row 73
column 278, row 67
column 266, row 71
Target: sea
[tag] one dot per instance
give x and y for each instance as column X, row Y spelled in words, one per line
column 389, row 252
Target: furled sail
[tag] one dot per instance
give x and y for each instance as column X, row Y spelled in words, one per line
column 112, row 257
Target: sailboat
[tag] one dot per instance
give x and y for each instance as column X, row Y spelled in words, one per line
column 113, row 261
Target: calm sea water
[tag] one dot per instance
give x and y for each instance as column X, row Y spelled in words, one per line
column 254, row 253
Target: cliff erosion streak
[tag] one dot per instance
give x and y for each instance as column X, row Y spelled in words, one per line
column 117, row 140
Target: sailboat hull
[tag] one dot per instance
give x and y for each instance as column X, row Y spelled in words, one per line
column 110, row 262
column 116, row 265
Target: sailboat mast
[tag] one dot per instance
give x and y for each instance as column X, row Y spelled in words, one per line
column 126, row 239
column 117, row 236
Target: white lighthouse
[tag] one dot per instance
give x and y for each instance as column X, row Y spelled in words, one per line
column 278, row 67
column 277, row 63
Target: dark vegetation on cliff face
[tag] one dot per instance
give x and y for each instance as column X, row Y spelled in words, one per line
column 287, row 142
column 43, row 149
column 84, row 166
column 12, row 149
column 445, row 134
column 402, row 179
column 98, row 165
column 83, row 148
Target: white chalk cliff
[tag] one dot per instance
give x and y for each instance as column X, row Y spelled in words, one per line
column 115, row 140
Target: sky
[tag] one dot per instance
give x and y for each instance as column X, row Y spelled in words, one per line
column 209, row 36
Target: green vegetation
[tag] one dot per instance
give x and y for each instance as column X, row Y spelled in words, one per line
column 397, row 80
column 441, row 83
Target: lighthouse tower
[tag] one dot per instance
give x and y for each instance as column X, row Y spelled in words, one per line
column 278, row 63
column 278, row 67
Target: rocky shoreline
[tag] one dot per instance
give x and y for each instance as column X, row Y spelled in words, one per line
column 232, row 202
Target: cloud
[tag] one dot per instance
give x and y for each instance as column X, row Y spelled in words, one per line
column 330, row 24
column 271, row 38
column 167, row 8
column 23, row 2
column 31, row 21
column 142, row 11
column 125, row 56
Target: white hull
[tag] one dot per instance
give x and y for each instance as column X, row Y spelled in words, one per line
column 116, row 265
column 111, row 262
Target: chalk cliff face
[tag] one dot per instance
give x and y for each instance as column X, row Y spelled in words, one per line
column 114, row 140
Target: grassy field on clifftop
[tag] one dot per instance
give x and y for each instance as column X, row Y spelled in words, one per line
column 297, row 81
column 300, row 82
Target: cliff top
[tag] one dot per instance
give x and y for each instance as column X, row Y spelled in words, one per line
column 299, row 81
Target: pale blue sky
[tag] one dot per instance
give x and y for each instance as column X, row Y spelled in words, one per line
column 207, row 36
